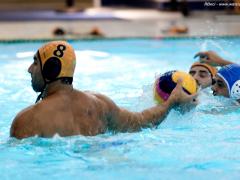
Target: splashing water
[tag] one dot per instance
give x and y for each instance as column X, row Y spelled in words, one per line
column 200, row 144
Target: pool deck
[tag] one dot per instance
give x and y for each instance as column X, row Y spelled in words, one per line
column 121, row 23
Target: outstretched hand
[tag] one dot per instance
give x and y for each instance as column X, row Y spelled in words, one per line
column 211, row 58
column 178, row 96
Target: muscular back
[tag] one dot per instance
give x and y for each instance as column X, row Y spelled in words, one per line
column 70, row 112
column 64, row 113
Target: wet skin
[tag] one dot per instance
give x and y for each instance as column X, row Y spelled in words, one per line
column 67, row 111
column 202, row 76
column 219, row 87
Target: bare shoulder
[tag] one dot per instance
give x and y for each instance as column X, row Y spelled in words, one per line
column 21, row 126
column 103, row 99
column 23, row 115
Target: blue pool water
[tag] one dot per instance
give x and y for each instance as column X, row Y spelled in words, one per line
column 201, row 144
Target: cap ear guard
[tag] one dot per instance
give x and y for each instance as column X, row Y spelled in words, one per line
column 52, row 68
column 235, row 91
column 57, row 60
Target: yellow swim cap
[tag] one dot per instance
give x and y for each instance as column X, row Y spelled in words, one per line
column 57, row 60
column 210, row 68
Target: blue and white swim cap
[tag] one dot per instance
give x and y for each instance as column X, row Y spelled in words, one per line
column 231, row 76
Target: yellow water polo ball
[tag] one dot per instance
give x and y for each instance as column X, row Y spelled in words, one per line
column 165, row 84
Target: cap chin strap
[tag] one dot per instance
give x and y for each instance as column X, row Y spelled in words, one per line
column 65, row 80
column 40, row 96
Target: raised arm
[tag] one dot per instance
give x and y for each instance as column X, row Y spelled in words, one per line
column 123, row 120
column 212, row 58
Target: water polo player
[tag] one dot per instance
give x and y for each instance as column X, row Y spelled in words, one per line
column 227, row 82
column 66, row 111
column 203, row 74
column 227, row 79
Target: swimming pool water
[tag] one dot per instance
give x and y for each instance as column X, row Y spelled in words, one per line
column 201, row 144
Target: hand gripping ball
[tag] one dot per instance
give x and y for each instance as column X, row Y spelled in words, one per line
column 165, row 84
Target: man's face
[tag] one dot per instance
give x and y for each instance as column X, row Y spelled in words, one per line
column 219, row 87
column 36, row 75
column 201, row 75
